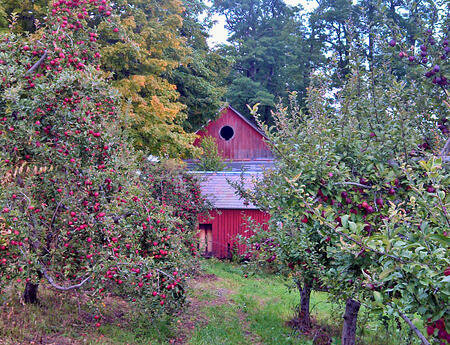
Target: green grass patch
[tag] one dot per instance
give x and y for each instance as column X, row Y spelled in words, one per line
column 223, row 328
column 263, row 300
column 268, row 301
column 140, row 331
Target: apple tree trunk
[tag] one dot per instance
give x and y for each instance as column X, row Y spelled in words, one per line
column 304, row 317
column 30, row 293
column 350, row 317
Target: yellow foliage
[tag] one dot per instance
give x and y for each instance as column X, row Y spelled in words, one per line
column 140, row 80
column 129, row 22
column 151, row 47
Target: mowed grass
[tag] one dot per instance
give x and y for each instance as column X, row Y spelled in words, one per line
column 225, row 308
column 260, row 306
column 223, row 328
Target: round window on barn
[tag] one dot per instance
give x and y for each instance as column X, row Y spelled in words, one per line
column 227, row 133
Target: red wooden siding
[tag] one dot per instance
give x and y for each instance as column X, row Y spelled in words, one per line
column 246, row 144
column 227, row 225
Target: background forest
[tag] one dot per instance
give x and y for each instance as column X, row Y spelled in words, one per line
column 173, row 82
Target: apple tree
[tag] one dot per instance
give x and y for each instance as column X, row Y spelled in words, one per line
column 75, row 213
column 360, row 169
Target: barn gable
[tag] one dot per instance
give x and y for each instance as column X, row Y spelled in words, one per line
column 237, row 138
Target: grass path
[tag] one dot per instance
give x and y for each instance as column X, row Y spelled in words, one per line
column 228, row 308
column 225, row 308
column 213, row 317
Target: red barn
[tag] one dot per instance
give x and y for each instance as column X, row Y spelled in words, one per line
column 243, row 148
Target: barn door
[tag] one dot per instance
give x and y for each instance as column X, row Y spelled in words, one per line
column 206, row 241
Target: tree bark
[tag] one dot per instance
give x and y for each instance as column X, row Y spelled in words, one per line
column 304, row 317
column 350, row 317
column 30, row 293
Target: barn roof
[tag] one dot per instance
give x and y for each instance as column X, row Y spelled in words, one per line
column 216, row 188
column 255, row 165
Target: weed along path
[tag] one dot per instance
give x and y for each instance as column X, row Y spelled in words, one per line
column 226, row 308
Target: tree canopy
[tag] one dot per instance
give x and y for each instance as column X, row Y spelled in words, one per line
column 26, row 14
column 271, row 52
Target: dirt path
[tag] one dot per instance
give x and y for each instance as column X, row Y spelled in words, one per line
column 194, row 316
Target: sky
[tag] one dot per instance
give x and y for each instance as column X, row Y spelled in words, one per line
column 219, row 33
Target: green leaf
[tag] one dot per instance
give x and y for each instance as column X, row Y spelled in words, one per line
column 378, row 297
column 344, row 220
column 423, row 164
column 441, row 239
column 446, row 279
column 386, row 272
column 437, row 162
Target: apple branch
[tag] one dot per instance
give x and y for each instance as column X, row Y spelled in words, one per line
column 443, row 208
column 446, row 149
column 353, row 184
column 166, row 274
column 116, row 219
column 347, row 236
column 414, row 328
column 351, row 239
column 59, row 287
column 37, row 64
column 54, row 213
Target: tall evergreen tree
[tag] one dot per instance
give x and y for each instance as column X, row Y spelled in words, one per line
column 268, row 47
column 339, row 23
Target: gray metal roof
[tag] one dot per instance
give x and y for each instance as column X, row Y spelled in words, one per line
column 217, row 189
column 238, row 166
